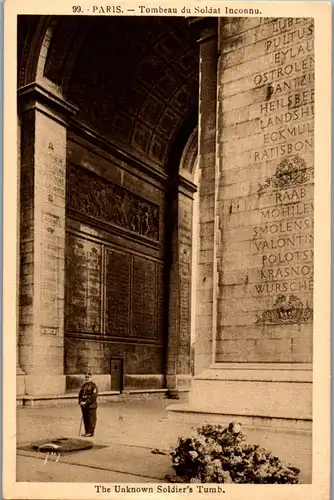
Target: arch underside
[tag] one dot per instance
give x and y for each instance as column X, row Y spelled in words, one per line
column 134, row 80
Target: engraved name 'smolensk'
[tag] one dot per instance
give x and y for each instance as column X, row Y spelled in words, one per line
column 95, row 197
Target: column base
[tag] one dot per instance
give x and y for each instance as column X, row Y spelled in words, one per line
column 173, row 394
column 176, row 384
column 253, row 391
column 19, row 370
column 43, row 385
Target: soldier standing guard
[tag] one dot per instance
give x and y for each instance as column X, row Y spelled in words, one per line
column 88, row 402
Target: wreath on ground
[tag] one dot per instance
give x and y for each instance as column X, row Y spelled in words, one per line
column 215, row 454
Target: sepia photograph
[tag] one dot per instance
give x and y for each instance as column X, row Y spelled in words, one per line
column 164, row 176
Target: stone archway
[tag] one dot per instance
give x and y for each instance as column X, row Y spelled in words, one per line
column 115, row 144
column 182, row 270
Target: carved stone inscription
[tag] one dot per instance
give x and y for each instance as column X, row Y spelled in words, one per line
column 184, row 303
column 144, row 298
column 83, row 285
column 95, row 197
column 160, row 300
column 287, row 114
column 118, row 281
column 123, row 298
column 49, row 265
column 265, row 233
column 283, row 237
column 185, row 243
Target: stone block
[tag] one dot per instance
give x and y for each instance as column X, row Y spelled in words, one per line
column 148, row 381
column 255, row 398
column 238, row 146
column 203, row 316
column 240, row 130
column 231, row 27
column 20, row 385
column 243, row 98
column 302, row 348
column 44, row 384
column 234, row 116
column 75, row 382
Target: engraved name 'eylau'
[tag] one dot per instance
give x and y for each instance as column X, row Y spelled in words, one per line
column 300, row 50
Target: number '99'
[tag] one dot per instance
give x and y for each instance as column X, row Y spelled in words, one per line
column 76, row 8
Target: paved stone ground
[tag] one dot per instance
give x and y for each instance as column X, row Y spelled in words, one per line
column 126, row 434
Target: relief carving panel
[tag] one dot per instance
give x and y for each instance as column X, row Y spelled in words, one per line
column 101, row 200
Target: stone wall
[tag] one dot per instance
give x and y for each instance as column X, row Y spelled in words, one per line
column 139, row 358
column 114, row 265
column 265, row 201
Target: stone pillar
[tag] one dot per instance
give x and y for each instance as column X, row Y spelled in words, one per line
column 178, row 373
column 264, row 234
column 265, row 158
column 205, row 313
column 20, row 388
column 42, row 239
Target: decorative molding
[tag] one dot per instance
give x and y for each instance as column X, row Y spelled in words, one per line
column 290, row 172
column 109, row 339
column 95, row 197
column 205, row 27
column 35, row 96
column 187, row 187
column 82, row 227
column 287, row 312
column 189, row 157
column 32, row 48
column 57, row 54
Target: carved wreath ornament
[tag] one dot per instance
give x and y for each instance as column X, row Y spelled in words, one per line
column 290, row 172
column 287, row 312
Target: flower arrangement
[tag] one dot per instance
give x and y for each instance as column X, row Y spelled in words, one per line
column 215, row 454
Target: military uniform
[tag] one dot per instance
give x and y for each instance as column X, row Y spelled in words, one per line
column 88, row 402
